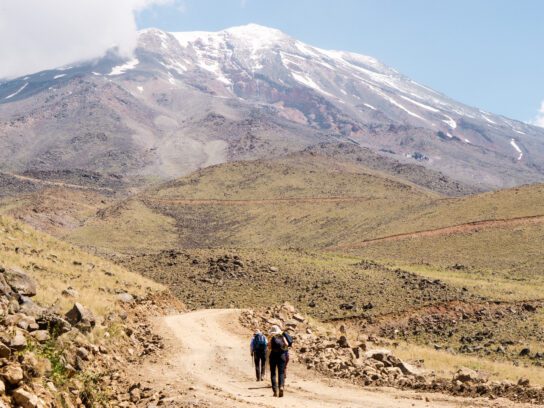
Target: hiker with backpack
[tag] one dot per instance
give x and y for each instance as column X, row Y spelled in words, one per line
column 289, row 340
column 258, row 347
column 278, row 359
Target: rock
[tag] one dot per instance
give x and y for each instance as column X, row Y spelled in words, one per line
column 5, row 289
column 20, row 282
column 528, row 307
column 125, row 298
column 30, row 308
column 5, row 351
column 408, row 369
column 466, row 375
column 25, row 399
column 378, row 354
column 12, row 374
column 41, row 336
column 81, row 317
column 273, row 269
column 135, row 395
column 83, row 353
column 55, row 324
column 18, row 342
column 343, row 342
column 2, row 388
column 70, row 292
column 525, row 352
column 298, row 318
column 523, row 382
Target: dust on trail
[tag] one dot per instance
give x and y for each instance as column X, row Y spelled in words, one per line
column 206, row 362
column 56, row 183
column 473, row 226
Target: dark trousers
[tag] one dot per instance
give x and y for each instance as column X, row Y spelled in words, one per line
column 278, row 361
column 259, row 357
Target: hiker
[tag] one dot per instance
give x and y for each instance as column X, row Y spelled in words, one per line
column 289, row 340
column 278, row 358
column 258, row 353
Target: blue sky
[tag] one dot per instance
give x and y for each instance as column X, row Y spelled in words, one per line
column 485, row 53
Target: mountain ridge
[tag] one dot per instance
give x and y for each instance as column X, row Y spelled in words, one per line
column 188, row 100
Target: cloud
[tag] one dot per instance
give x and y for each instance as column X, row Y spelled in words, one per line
column 37, row 34
column 539, row 120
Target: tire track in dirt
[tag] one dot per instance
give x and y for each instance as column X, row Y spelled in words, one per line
column 473, row 226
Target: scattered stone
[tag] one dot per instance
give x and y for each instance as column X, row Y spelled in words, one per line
column 20, row 282
column 125, row 298
column 81, row 317
column 70, row 292
column 18, row 342
column 12, row 374
column 41, row 336
column 5, row 351
column 25, row 399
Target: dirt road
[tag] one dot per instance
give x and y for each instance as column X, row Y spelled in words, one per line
column 468, row 227
column 207, row 363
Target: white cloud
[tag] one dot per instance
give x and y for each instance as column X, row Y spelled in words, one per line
column 539, row 120
column 37, row 34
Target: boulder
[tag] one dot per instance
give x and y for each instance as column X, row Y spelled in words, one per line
column 5, row 351
column 125, row 298
column 467, row 376
column 12, row 374
column 523, row 382
column 41, row 336
column 5, row 289
column 20, row 282
column 18, row 342
column 54, row 324
column 25, row 399
column 378, row 354
column 28, row 307
column 81, row 317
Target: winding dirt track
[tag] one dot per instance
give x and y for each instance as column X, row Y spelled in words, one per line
column 294, row 200
column 207, row 363
column 468, row 227
column 56, row 183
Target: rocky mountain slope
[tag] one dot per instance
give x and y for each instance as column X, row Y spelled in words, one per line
column 189, row 100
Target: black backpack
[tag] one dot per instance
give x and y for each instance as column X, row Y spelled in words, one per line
column 259, row 342
column 277, row 344
column 288, row 338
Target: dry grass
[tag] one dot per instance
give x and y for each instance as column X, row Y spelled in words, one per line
column 445, row 364
column 133, row 227
column 56, row 265
column 501, row 263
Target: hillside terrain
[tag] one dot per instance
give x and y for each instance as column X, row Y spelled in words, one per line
column 239, row 179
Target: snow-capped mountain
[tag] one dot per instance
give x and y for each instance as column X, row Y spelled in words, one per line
column 187, row 100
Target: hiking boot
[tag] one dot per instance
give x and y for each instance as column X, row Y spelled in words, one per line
column 275, row 392
column 281, row 392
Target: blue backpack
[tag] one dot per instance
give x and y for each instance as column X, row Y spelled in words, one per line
column 259, row 342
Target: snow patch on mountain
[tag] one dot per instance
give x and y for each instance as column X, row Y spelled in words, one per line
column 304, row 79
column 516, row 147
column 121, row 69
column 17, row 92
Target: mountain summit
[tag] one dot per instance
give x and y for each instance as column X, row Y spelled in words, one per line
column 192, row 99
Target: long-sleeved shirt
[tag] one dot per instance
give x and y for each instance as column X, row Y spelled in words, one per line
column 252, row 344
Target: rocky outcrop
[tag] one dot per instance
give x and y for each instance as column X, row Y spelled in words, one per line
column 362, row 362
column 53, row 360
